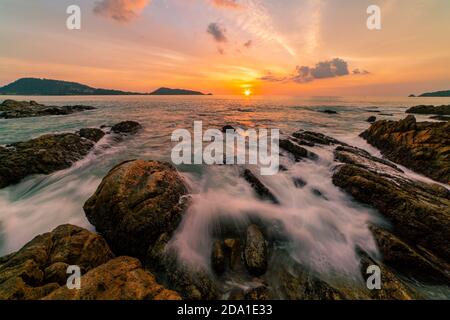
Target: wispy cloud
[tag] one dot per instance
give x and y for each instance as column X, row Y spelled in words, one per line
column 217, row 31
column 322, row 70
column 120, row 10
column 248, row 44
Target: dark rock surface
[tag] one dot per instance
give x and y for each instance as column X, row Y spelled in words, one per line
column 261, row 190
column 421, row 146
column 440, row 118
column 11, row 109
column 126, row 127
column 49, row 153
column 426, row 109
column 371, row 119
column 255, row 251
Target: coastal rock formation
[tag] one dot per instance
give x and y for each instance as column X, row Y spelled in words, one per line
column 311, row 138
column 255, row 251
column 122, row 278
column 49, row 153
column 261, row 190
column 135, row 203
column 425, row 109
column 40, row 266
column 421, row 146
column 371, row 119
column 11, row 109
column 126, row 127
column 419, row 212
column 440, row 118
column 297, row 151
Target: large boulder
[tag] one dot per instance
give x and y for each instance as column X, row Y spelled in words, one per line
column 122, row 278
column 421, row 146
column 419, row 212
column 40, row 266
column 135, row 203
column 10, row 109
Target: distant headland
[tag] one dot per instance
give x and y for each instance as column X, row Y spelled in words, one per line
column 49, row 87
column 444, row 93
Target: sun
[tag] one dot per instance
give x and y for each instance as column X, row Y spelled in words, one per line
column 247, row 92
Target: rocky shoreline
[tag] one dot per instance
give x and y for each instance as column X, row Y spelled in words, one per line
column 53, row 152
column 140, row 204
column 12, row 109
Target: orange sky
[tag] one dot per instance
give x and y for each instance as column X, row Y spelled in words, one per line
column 226, row 46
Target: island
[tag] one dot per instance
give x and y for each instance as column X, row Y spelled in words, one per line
column 49, row 87
column 173, row 92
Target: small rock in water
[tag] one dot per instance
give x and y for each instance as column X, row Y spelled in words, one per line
column 126, row 127
column 262, row 191
column 328, row 111
column 299, row 182
column 255, row 251
column 372, row 119
column 91, row 134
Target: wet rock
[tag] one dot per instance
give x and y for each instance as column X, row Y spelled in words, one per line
column 408, row 260
column 392, row 288
column 257, row 294
column 319, row 194
column 126, row 127
column 419, row 212
column 36, row 269
column 297, row 151
column 45, row 154
column 255, row 251
column 328, row 111
column 261, row 190
column 92, row 134
column 135, row 203
column 440, row 118
column 423, row 147
column 218, row 257
column 228, row 127
column 299, row 182
column 372, row 119
column 122, row 278
column 11, row 109
column 189, row 280
column 233, row 251
column 423, row 109
column 311, row 138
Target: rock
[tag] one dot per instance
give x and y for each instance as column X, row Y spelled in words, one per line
column 228, row 127
column 299, row 182
column 11, row 109
column 45, row 154
column 422, row 109
column 409, row 260
column 261, row 190
column 122, row 278
column 255, row 251
column 190, row 281
column 297, row 151
column 257, row 294
column 328, row 111
column 233, row 251
column 419, row 212
column 311, row 138
column 135, row 203
column 37, row 269
column 372, row 119
column 92, row 134
column 126, row 127
column 440, row 118
column 392, row 288
column 218, row 257
column 423, row 147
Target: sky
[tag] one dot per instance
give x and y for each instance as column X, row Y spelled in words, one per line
column 271, row 47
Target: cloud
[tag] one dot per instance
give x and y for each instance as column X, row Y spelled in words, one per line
column 120, row 10
column 233, row 4
column 218, row 32
column 322, row 70
column 248, row 44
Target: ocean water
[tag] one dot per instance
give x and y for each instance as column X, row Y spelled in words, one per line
column 322, row 231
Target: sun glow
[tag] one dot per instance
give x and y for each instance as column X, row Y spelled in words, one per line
column 248, row 92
